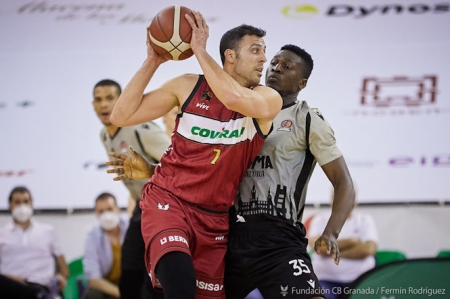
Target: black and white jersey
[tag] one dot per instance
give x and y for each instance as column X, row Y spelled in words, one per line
column 276, row 182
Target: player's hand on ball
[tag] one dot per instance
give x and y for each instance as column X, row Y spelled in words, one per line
column 200, row 31
column 151, row 53
column 134, row 167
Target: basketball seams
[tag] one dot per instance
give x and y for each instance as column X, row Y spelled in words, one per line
column 160, row 27
column 175, row 47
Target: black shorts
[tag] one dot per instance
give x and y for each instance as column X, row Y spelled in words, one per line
column 133, row 246
column 270, row 254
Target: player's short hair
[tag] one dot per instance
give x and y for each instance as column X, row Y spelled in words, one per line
column 105, row 195
column 232, row 37
column 108, row 82
column 19, row 189
column 308, row 62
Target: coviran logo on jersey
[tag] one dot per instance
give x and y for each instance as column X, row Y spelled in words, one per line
column 211, row 130
column 207, row 133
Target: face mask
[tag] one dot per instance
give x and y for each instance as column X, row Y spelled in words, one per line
column 22, row 213
column 108, row 220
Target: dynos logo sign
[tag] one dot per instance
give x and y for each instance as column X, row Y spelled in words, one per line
column 306, row 11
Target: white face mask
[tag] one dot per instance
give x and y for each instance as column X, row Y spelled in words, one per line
column 108, row 220
column 22, row 213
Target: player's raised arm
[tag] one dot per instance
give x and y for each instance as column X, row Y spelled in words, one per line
column 133, row 107
column 243, row 54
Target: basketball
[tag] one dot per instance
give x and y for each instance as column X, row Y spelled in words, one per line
column 170, row 33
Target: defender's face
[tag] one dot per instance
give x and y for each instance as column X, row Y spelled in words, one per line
column 284, row 73
column 250, row 59
column 105, row 98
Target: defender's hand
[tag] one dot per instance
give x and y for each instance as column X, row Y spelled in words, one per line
column 134, row 167
column 327, row 244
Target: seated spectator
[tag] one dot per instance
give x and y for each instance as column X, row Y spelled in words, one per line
column 357, row 246
column 28, row 251
column 101, row 260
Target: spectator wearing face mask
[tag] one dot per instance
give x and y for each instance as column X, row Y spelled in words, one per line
column 102, row 255
column 28, row 252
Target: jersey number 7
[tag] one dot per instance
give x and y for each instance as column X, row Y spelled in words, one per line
column 217, row 151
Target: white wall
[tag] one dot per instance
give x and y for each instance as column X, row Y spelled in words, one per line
column 418, row 231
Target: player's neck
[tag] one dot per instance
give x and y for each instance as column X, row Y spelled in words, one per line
column 289, row 99
column 112, row 129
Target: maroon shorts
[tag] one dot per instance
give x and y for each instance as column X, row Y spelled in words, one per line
column 170, row 224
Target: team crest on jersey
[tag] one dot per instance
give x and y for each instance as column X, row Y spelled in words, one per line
column 285, row 125
column 123, row 147
column 206, row 95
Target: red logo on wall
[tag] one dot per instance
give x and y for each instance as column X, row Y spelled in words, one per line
column 15, row 173
column 399, row 91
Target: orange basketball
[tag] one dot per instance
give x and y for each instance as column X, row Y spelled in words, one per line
column 170, row 33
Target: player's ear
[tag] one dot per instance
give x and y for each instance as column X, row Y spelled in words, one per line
column 230, row 55
column 302, row 83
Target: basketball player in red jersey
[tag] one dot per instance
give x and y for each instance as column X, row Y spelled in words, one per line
column 224, row 117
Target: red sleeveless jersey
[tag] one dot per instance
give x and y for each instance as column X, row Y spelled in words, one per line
column 212, row 147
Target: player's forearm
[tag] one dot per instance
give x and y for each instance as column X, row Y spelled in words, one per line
column 226, row 89
column 131, row 98
column 344, row 198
